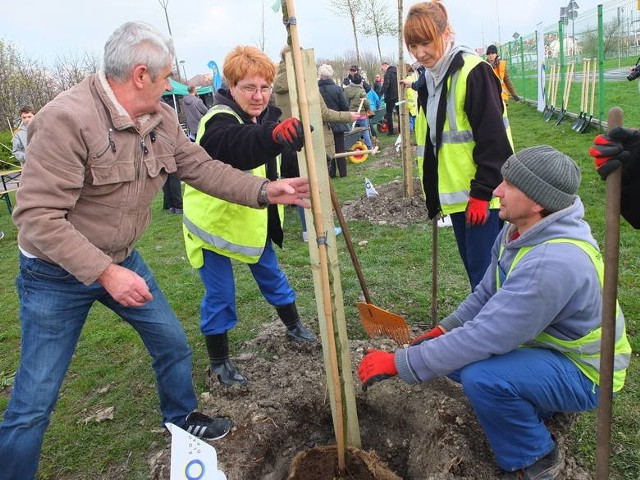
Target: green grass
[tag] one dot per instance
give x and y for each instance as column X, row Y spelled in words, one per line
column 111, row 366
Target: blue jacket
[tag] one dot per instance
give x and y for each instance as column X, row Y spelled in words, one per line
column 554, row 288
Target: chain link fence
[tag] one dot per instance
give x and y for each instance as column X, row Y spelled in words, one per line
column 581, row 64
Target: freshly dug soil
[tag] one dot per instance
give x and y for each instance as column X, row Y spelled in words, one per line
column 424, row 432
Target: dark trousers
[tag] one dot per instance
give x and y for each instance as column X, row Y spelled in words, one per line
column 172, row 191
column 390, row 105
column 341, row 163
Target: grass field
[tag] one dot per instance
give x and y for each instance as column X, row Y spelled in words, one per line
column 111, row 366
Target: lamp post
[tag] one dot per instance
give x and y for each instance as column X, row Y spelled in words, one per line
column 572, row 13
column 164, row 4
column 184, row 70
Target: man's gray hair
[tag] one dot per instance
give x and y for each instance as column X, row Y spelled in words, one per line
column 136, row 43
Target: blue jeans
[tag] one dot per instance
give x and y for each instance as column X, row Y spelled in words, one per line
column 365, row 133
column 53, row 308
column 475, row 242
column 218, row 308
column 513, row 394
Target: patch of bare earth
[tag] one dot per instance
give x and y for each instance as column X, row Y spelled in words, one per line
column 424, row 432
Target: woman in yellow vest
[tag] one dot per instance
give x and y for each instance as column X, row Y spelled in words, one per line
column 526, row 343
column 461, row 132
column 243, row 130
column 500, row 69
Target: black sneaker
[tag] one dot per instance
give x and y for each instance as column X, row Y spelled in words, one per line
column 547, row 468
column 206, row 427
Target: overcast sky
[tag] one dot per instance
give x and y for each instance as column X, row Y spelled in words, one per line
column 205, row 30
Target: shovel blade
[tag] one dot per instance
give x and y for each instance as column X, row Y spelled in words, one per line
column 380, row 322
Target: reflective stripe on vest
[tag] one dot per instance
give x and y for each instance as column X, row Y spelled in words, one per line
column 210, row 223
column 456, row 166
column 585, row 351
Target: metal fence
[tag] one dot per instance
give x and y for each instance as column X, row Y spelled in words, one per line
column 585, row 50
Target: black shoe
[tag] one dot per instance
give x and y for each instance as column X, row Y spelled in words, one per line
column 228, row 374
column 175, row 211
column 301, row 334
column 206, row 427
column 548, row 467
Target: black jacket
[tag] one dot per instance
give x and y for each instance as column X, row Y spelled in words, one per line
column 246, row 146
column 335, row 99
column 333, row 95
column 390, row 85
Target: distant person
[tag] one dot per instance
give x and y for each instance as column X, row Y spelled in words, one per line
column 463, row 139
column 335, row 99
column 411, row 97
column 377, row 84
column 359, row 103
column 389, row 92
column 526, row 344
column 244, row 131
column 353, row 70
column 500, row 68
column 84, row 200
column 374, row 104
column 194, row 109
column 20, row 136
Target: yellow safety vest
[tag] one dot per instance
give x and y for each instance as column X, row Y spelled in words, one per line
column 456, row 167
column 585, row 351
column 210, row 223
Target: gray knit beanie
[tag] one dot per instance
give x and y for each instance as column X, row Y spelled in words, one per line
column 545, row 175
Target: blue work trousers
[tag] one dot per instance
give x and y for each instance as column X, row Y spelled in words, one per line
column 513, row 394
column 475, row 242
column 53, row 309
column 365, row 133
column 218, row 308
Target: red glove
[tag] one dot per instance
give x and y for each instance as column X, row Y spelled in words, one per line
column 620, row 147
column 433, row 333
column 289, row 133
column 375, row 367
column 477, row 211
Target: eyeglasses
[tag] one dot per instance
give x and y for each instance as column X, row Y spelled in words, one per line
column 252, row 89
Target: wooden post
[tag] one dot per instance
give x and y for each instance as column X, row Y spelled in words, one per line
column 305, row 98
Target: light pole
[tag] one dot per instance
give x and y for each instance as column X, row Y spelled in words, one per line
column 184, row 70
column 572, row 14
column 164, row 4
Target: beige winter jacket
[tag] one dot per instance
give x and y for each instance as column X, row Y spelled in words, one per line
column 85, row 194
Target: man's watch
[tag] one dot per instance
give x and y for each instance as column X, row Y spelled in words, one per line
column 263, row 198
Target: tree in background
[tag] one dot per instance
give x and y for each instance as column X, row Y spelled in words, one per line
column 352, row 10
column 27, row 82
column 378, row 22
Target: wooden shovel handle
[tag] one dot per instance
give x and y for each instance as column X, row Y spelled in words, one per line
column 347, row 239
column 609, row 303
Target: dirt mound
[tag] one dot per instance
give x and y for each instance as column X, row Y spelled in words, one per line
column 391, row 207
column 424, row 432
